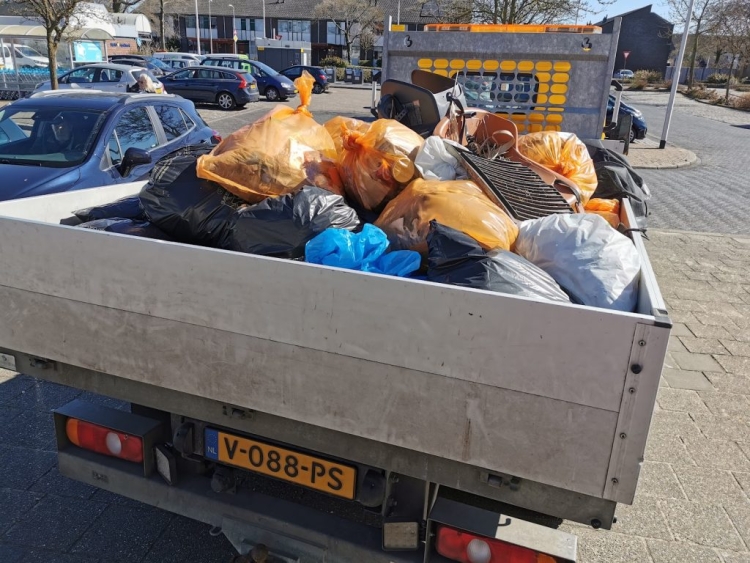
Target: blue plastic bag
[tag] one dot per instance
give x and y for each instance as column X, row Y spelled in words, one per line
column 364, row 251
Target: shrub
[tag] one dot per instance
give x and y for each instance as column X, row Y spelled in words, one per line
column 701, row 93
column 717, row 78
column 650, row 76
column 741, row 102
column 638, row 84
column 337, row 62
column 667, row 85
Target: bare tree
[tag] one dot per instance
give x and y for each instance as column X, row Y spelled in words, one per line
column 351, row 17
column 59, row 18
column 701, row 23
column 121, row 6
column 731, row 19
column 511, row 11
column 156, row 11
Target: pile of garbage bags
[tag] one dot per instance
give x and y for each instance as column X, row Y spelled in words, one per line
column 379, row 198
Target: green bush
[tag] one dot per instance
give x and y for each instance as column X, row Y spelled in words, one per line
column 650, row 76
column 337, row 62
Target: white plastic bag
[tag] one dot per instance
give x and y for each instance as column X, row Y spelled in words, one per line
column 434, row 161
column 597, row 265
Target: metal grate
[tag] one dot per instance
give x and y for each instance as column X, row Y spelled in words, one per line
column 520, row 190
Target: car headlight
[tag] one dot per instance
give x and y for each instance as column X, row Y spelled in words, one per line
column 289, row 86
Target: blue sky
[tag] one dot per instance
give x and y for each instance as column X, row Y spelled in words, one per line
column 622, row 6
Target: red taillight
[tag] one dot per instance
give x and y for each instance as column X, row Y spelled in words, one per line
column 216, row 137
column 243, row 83
column 104, row 440
column 466, row 547
column 323, row 77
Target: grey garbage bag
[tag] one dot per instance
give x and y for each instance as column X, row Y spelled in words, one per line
column 594, row 263
column 456, row 258
column 281, row 226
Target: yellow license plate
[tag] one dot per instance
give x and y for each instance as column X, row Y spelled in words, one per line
column 158, row 90
column 288, row 465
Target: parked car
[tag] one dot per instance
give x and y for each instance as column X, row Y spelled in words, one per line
column 26, row 57
column 170, row 56
column 102, row 76
column 157, row 67
column 639, row 129
column 271, row 84
column 179, row 63
column 321, row 80
column 68, row 140
column 227, row 87
column 624, row 74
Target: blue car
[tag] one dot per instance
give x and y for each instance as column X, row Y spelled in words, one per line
column 70, row 140
column 227, row 87
column 639, row 129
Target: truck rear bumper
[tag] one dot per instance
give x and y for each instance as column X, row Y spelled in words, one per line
column 292, row 532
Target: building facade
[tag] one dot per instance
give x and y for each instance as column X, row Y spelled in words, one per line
column 646, row 36
column 287, row 20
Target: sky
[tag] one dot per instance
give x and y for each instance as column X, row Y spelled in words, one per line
column 621, row 6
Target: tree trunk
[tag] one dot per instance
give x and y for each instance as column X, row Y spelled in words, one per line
column 693, row 54
column 162, row 26
column 52, row 51
column 729, row 79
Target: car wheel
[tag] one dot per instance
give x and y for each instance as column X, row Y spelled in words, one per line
column 272, row 94
column 317, row 89
column 632, row 134
column 225, row 101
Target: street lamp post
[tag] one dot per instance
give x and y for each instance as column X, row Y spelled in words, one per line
column 234, row 27
column 210, row 29
column 264, row 19
column 197, row 29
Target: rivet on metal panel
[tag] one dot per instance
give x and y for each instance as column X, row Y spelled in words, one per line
column 441, row 63
column 562, row 66
column 508, row 66
column 458, row 64
column 526, row 66
column 424, row 63
column 631, row 390
column 641, row 343
column 474, row 64
column 623, row 435
column 636, row 368
column 544, row 66
column 615, row 480
column 560, row 77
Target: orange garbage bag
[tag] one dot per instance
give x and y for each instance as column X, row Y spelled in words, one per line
column 563, row 153
column 377, row 165
column 337, row 126
column 278, row 154
column 607, row 208
column 458, row 204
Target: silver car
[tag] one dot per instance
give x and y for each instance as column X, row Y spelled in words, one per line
column 109, row 77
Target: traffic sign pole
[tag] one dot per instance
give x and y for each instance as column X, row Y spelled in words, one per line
column 625, row 54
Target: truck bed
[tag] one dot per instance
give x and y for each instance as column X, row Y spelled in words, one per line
column 561, row 395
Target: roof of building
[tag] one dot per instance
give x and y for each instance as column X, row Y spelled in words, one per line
column 631, row 12
column 411, row 10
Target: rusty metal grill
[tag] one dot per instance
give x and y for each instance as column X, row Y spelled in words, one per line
column 518, row 189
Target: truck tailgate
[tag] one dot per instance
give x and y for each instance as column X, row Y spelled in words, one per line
column 558, row 394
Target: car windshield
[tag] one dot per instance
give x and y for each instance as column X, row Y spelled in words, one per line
column 265, row 68
column 28, row 51
column 47, row 136
column 159, row 64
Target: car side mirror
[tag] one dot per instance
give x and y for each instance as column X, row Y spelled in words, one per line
column 133, row 157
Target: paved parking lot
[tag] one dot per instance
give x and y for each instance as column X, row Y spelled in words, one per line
column 693, row 502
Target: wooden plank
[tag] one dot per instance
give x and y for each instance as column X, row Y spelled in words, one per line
column 550, row 441
column 565, row 352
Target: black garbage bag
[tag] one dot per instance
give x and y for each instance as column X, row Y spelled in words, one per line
column 281, row 226
column 457, row 259
column 617, row 179
column 125, row 208
column 132, row 227
column 190, row 209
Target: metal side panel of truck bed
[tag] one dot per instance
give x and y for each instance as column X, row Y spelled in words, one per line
column 557, row 394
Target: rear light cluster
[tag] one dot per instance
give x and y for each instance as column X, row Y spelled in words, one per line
column 243, row 83
column 216, row 137
column 466, row 547
column 104, row 440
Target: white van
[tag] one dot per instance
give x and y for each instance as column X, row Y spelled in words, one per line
column 26, row 57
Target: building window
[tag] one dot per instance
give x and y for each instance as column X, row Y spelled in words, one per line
column 294, row 30
column 243, row 24
column 189, row 21
column 204, row 22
